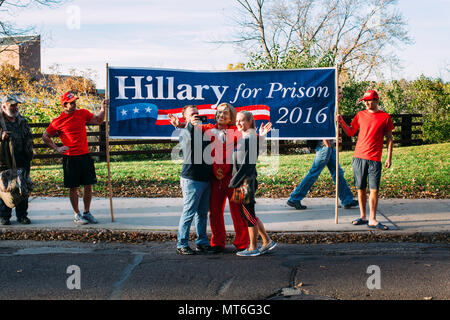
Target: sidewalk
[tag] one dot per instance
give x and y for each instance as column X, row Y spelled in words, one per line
column 162, row 214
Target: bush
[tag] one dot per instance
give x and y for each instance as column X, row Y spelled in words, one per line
column 42, row 97
column 426, row 96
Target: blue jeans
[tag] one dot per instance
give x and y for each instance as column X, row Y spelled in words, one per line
column 325, row 156
column 196, row 204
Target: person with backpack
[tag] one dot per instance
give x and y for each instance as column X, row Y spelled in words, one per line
column 15, row 130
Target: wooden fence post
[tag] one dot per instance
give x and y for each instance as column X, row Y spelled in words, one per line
column 406, row 130
column 347, row 142
column 102, row 140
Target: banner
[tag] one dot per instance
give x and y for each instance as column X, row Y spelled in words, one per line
column 299, row 103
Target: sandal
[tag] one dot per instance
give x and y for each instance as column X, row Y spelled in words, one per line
column 359, row 221
column 379, row 226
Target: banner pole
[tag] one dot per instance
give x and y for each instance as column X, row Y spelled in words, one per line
column 337, row 147
column 107, row 145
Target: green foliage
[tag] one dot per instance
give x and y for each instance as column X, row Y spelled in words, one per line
column 295, row 58
column 42, row 97
column 426, row 96
column 432, row 99
column 352, row 91
column 413, row 174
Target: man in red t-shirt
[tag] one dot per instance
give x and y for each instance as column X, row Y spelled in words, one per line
column 78, row 165
column 373, row 125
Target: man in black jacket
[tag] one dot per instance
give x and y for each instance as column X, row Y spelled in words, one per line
column 15, row 128
column 195, row 184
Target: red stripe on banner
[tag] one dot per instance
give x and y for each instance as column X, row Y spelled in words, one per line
column 261, row 117
column 208, row 106
column 253, row 107
column 166, row 122
column 211, row 116
column 204, row 106
column 162, row 122
column 167, row 111
column 177, row 110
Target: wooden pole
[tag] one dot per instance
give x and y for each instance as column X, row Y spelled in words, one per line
column 107, row 145
column 337, row 147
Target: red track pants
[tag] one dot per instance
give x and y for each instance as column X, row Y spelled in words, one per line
column 219, row 193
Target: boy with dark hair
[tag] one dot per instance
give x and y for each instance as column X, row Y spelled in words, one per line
column 373, row 125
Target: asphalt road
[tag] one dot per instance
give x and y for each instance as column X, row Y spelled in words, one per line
column 70, row 270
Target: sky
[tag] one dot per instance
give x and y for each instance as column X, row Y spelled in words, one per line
column 179, row 34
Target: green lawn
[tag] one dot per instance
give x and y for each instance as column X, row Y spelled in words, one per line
column 416, row 172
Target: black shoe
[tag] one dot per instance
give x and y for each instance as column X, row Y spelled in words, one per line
column 354, row 203
column 185, row 250
column 204, row 249
column 5, row 221
column 24, row 220
column 217, row 249
column 296, row 204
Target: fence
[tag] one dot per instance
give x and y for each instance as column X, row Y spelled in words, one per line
column 407, row 132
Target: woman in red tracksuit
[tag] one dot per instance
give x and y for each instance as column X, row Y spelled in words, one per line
column 224, row 135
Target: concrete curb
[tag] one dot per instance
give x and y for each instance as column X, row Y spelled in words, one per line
column 136, row 236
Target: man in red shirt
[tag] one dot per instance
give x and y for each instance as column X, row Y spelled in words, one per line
column 78, row 165
column 373, row 125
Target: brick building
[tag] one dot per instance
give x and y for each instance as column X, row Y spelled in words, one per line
column 22, row 52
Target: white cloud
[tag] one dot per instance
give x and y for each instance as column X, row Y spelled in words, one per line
column 199, row 57
column 170, row 13
column 179, row 34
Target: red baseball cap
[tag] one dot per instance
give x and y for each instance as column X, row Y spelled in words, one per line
column 68, row 97
column 370, row 95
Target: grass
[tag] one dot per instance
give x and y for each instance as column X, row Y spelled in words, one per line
column 416, row 172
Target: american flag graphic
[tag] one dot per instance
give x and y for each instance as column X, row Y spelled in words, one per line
column 260, row 112
column 147, row 110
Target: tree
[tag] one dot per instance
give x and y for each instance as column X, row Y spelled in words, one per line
column 351, row 34
column 42, row 98
column 7, row 28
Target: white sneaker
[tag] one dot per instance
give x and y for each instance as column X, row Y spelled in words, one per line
column 89, row 217
column 248, row 253
column 79, row 219
column 268, row 247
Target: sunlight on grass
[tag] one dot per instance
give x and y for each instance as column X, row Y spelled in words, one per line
column 419, row 171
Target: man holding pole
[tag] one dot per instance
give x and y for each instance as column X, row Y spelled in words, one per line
column 78, row 165
column 373, row 125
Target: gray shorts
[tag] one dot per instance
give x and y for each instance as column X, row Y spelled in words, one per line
column 364, row 170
